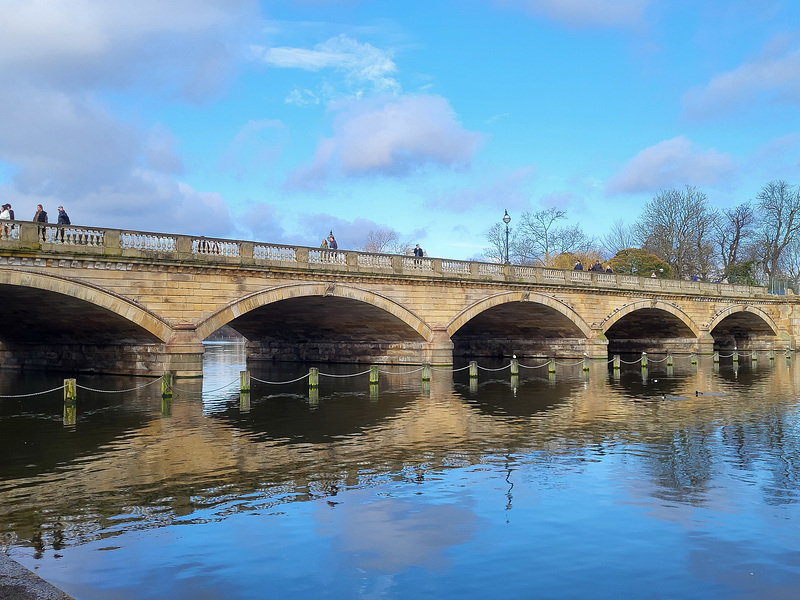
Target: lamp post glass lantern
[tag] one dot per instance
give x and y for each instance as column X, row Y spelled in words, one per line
column 507, row 220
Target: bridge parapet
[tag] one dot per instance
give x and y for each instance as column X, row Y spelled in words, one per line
column 25, row 242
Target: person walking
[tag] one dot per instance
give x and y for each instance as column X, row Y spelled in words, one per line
column 63, row 219
column 418, row 253
column 41, row 217
column 332, row 242
column 5, row 215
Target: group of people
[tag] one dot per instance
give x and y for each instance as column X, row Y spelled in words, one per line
column 40, row 216
column 597, row 267
column 329, row 243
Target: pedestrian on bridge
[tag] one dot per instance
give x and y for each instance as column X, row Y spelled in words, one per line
column 41, row 217
column 63, row 219
column 5, row 215
column 332, row 242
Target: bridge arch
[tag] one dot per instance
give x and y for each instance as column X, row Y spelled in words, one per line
column 485, row 304
column 650, row 304
column 256, row 300
column 743, row 308
column 137, row 316
column 744, row 326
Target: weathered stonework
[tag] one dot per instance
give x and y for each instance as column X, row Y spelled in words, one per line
column 142, row 303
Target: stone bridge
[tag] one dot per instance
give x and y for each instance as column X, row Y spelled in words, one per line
column 114, row 301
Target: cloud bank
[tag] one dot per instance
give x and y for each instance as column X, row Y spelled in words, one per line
column 58, row 136
column 772, row 77
column 389, row 136
column 671, row 163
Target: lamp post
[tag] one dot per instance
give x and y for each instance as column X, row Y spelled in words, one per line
column 507, row 220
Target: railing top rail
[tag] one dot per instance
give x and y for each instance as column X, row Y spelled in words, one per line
column 89, row 239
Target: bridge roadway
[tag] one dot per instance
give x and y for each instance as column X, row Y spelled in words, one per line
column 107, row 300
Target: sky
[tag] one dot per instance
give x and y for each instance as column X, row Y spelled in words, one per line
column 280, row 121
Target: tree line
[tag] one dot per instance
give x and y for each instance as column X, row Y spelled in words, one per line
column 678, row 234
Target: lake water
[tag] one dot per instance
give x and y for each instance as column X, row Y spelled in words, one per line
column 679, row 483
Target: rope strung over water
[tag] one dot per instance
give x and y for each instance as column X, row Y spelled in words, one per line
column 133, row 389
column 280, row 382
column 58, row 389
column 200, row 393
column 373, row 371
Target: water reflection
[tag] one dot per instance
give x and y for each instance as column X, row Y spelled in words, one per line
column 406, row 489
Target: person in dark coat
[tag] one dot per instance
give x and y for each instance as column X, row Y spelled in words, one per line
column 41, row 217
column 63, row 219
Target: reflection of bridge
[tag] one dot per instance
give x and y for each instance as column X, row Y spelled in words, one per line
column 108, row 300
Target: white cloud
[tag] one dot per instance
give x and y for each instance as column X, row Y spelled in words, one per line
column 390, row 136
column 361, row 64
column 62, row 143
column 302, row 98
column 583, row 13
column 770, row 77
column 670, row 163
column 76, row 44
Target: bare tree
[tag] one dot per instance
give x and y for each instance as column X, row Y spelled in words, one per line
column 673, row 226
column 383, row 240
column 496, row 236
column 732, row 233
column 540, row 239
column 779, row 223
column 619, row 237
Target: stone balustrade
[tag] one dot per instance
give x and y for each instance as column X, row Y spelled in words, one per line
column 43, row 240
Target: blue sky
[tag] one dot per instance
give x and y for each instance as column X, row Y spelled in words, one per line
column 279, row 121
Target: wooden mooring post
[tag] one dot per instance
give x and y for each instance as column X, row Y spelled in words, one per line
column 426, row 372
column 244, row 391
column 70, row 402
column 166, row 385
column 473, row 368
column 644, row 360
column 313, row 378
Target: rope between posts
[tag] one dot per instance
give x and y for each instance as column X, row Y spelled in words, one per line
column 632, row 362
column 450, row 370
column 400, row 372
column 61, row 387
column 580, row 362
column 350, row 375
column 279, row 382
column 494, row 370
column 656, row 361
column 536, row 367
column 205, row 391
column 133, row 389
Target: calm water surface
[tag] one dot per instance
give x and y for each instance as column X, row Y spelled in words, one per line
column 579, row 486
